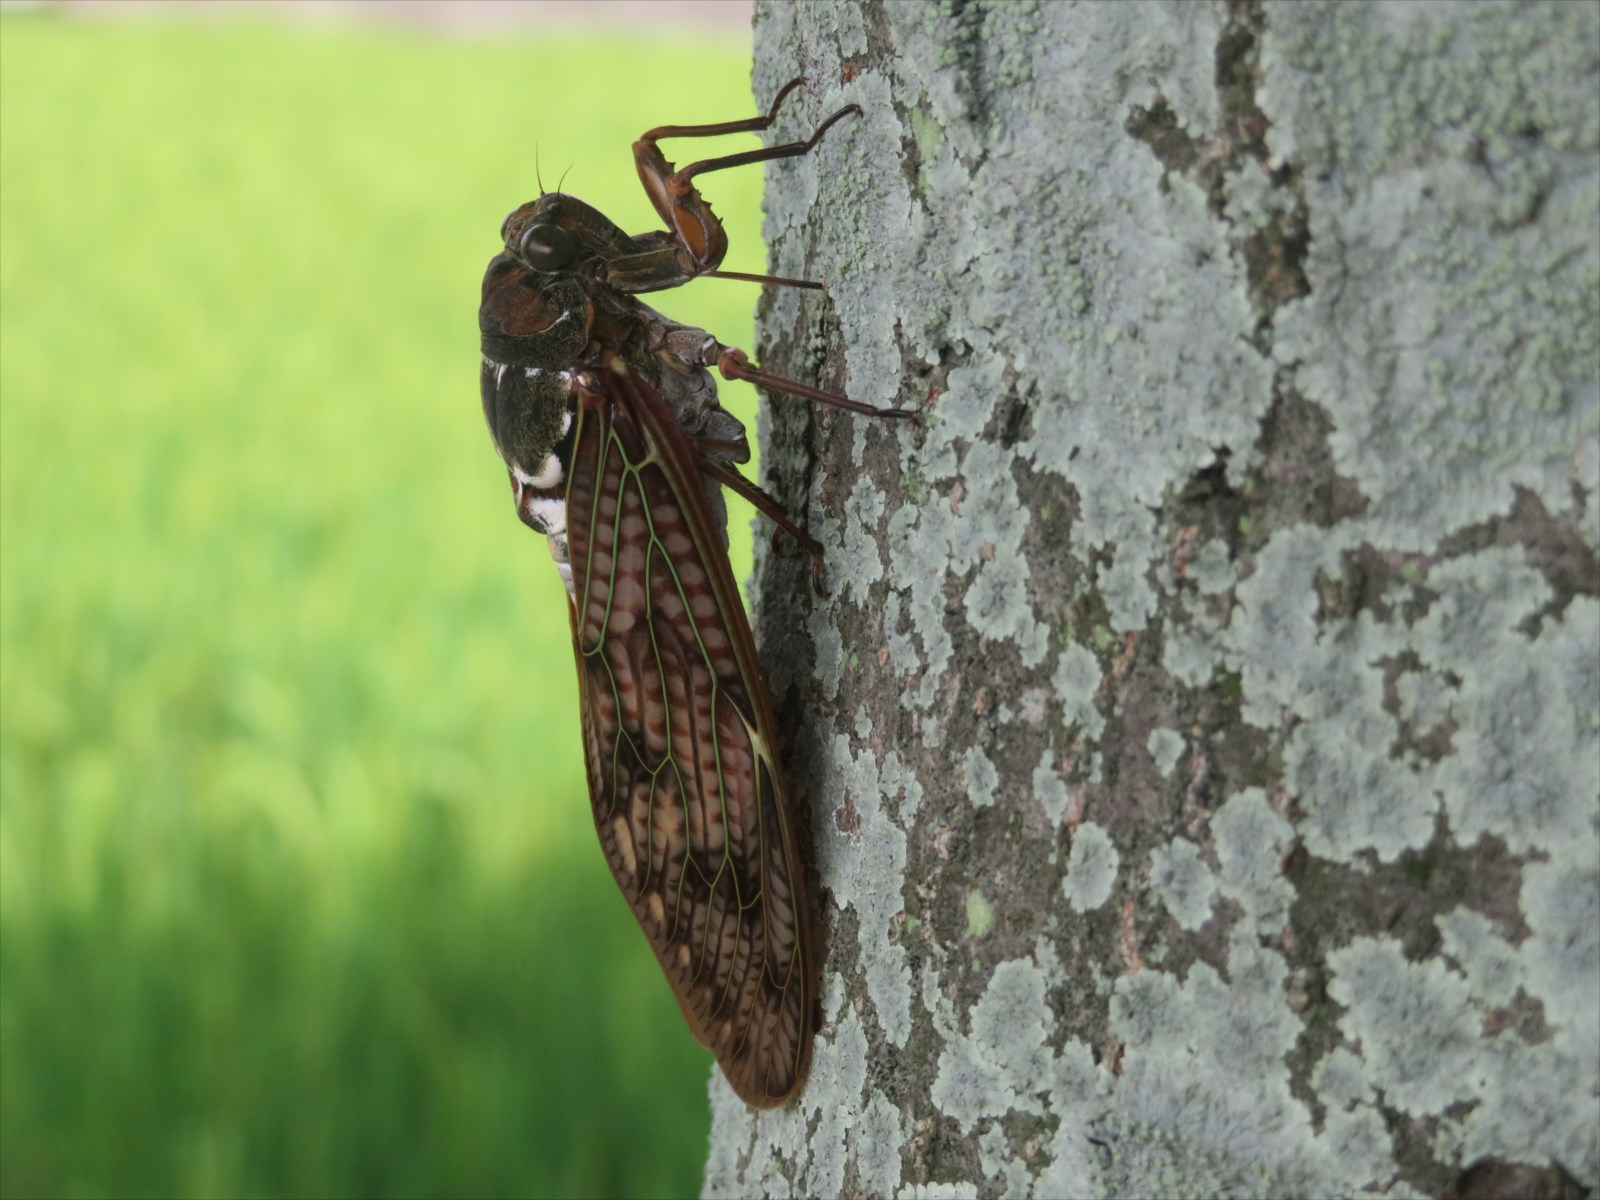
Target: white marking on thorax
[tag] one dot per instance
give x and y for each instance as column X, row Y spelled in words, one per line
column 549, row 511
column 548, row 476
column 499, row 369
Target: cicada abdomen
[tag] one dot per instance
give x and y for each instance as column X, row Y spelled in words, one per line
column 607, row 419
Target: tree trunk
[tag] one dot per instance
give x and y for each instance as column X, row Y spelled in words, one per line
column 1199, row 742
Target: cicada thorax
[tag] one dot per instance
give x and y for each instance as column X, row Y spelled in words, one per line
column 531, row 331
column 538, row 333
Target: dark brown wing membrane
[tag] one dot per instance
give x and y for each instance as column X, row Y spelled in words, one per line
column 680, row 743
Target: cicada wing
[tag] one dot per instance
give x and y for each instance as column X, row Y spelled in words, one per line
column 680, row 741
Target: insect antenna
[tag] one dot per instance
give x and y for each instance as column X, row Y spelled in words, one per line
column 563, row 178
column 536, row 174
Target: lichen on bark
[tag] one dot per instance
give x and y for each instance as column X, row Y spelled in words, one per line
column 1211, row 682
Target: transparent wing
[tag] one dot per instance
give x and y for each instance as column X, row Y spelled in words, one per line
column 679, row 738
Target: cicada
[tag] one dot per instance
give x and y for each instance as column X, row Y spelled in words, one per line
column 606, row 416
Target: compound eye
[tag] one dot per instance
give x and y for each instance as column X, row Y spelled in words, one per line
column 547, row 247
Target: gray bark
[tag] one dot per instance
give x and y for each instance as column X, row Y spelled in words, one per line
column 1200, row 743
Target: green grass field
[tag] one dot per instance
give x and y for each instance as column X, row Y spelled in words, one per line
column 298, row 890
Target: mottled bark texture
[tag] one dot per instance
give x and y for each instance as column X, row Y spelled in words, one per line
column 1199, row 743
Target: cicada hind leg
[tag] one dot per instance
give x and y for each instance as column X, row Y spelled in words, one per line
column 687, row 213
column 734, row 364
column 767, row 504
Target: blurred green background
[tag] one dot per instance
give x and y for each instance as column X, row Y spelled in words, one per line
column 298, row 889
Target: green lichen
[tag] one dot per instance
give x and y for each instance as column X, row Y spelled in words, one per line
column 926, row 132
column 980, row 914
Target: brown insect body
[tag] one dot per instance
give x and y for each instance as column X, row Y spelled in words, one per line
column 606, row 417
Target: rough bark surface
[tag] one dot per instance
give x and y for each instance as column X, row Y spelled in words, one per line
column 1200, row 743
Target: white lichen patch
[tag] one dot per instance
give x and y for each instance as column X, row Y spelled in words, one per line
column 863, row 872
column 1415, row 1023
column 917, row 541
column 1492, row 965
column 1211, row 569
column 1420, row 1029
column 998, row 608
column 902, row 647
column 1341, row 1081
column 856, row 558
column 983, row 781
column 1493, row 253
column 1184, row 882
column 1001, row 1164
column 1166, row 747
column 1190, row 656
column 876, row 1143
column 1275, row 623
column 1205, row 1093
column 1358, row 1140
column 1251, row 840
column 1425, row 698
column 827, row 665
column 1049, row 789
column 997, row 1067
column 1077, row 682
column 1516, row 1119
column 1561, row 900
column 1091, row 868
column 1519, row 763
column 840, row 1066
column 939, row 1190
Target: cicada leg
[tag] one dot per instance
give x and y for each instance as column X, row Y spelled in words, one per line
column 763, row 501
column 686, row 212
column 735, row 364
column 779, row 280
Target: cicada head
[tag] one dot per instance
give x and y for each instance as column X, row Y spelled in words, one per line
column 558, row 234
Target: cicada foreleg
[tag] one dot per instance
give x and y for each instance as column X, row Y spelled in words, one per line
column 700, row 239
